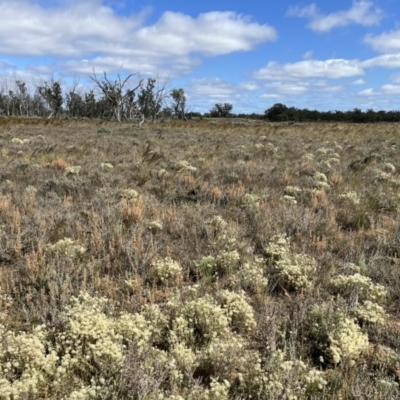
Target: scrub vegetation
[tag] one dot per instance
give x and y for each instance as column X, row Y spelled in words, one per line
column 215, row 259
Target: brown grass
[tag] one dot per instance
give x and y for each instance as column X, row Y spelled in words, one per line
column 86, row 208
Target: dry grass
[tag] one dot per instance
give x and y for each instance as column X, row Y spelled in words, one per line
column 40, row 204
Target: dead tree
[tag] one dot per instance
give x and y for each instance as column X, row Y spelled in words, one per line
column 113, row 92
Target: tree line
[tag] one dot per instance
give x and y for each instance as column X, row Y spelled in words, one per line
column 113, row 99
column 117, row 99
column 281, row 113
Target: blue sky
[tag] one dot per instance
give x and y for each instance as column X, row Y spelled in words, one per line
column 322, row 55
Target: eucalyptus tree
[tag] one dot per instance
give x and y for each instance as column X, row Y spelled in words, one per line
column 179, row 103
column 221, row 110
column 151, row 99
column 51, row 93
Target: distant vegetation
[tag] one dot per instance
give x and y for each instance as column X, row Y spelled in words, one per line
column 148, row 101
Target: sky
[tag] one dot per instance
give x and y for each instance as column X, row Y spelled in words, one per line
column 324, row 55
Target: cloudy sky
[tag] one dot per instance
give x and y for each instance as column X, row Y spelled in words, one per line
column 322, row 55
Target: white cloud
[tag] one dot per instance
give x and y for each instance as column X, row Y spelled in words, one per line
column 249, row 86
column 390, row 89
column 359, row 82
column 385, row 90
column 388, row 42
column 284, row 88
column 334, row 69
column 361, row 13
column 93, row 31
column 213, row 88
column 367, row 92
column 270, row 96
column 385, row 61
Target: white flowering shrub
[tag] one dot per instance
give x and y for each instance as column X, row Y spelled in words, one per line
column 294, row 272
column 199, row 321
column 184, row 165
column 289, row 199
column 335, row 336
column 90, row 336
column 105, row 166
column 166, row 270
column 292, row 191
column 334, row 160
column 66, row 248
column 231, row 354
column 359, row 287
column 17, row 141
column 346, row 341
column 351, row 196
column 206, row 267
column 221, row 235
column 251, row 200
column 307, row 157
column 388, row 167
column 291, row 378
column 371, row 313
column 155, row 226
column 250, row 276
column 128, row 194
column 31, row 190
column 74, row 170
column 25, row 363
column 236, row 306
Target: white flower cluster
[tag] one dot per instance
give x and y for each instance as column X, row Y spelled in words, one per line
column 31, row 190
column 307, row 157
column 128, row 194
column 74, row 170
column 222, row 236
column 200, row 321
column 338, row 337
column 184, row 165
column 386, row 175
column 371, row 313
column 346, row 341
column 289, row 199
column 166, row 270
column 66, row 248
column 251, row 200
column 292, row 190
column 351, row 196
column 24, row 362
column 239, row 271
column 238, row 309
column 292, row 194
column 304, row 382
column 321, row 181
column 359, row 286
column 155, row 226
column 296, row 271
column 105, row 166
column 388, row 167
column 19, row 141
column 250, row 276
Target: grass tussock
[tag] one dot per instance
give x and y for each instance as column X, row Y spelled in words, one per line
column 199, row 260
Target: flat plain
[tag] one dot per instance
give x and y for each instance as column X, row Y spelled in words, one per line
column 213, row 259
